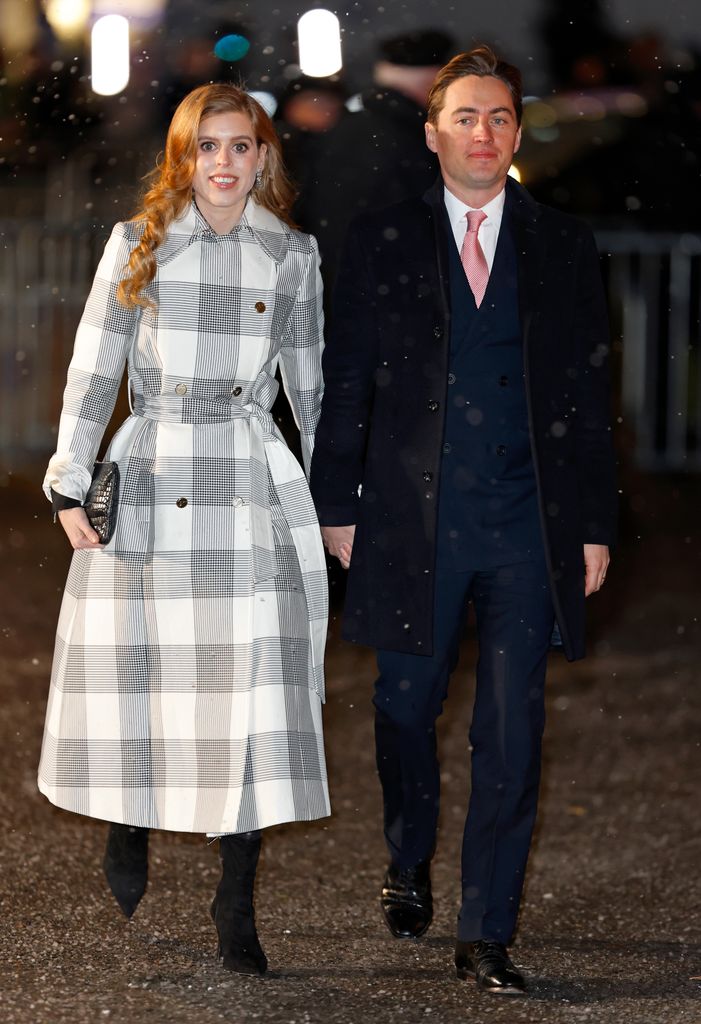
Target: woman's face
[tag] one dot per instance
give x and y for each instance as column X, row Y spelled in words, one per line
column 227, row 160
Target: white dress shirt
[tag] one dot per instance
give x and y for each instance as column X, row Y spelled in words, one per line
column 488, row 233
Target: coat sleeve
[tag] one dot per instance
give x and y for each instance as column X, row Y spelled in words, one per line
column 300, row 355
column 102, row 344
column 594, row 452
column 349, row 364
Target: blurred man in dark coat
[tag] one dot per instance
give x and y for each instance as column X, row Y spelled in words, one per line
column 464, row 455
column 375, row 155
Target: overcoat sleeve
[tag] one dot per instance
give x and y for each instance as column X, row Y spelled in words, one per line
column 594, row 453
column 102, row 344
column 300, row 354
column 350, row 362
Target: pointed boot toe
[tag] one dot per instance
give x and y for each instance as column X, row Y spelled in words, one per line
column 126, row 865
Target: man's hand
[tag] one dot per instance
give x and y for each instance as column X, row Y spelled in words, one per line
column 596, row 560
column 77, row 526
column 339, row 541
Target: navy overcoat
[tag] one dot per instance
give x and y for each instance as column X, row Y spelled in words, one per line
column 377, row 456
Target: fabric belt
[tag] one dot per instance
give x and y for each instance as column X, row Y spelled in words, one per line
column 176, row 409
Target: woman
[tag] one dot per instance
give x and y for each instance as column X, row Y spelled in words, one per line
column 188, row 674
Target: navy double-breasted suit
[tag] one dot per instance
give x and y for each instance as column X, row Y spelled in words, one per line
column 383, row 417
column 472, row 450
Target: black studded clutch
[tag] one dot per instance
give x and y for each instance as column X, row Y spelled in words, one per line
column 101, row 500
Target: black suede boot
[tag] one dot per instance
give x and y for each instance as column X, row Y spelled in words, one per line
column 232, row 907
column 126, row 865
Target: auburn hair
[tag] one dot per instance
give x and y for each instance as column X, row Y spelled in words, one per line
column 170, row 191
column 483, row 62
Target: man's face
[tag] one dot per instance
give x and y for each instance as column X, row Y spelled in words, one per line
column 475, row 138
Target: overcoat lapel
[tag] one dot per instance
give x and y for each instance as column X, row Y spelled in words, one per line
column 531, row 249
column 440, row 268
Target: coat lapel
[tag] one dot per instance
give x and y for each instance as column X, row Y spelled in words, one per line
column 440, row 226
column 523, row 212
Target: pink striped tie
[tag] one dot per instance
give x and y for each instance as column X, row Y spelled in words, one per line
column 472, row 257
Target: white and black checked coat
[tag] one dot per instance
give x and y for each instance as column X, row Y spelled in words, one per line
column 188, row 671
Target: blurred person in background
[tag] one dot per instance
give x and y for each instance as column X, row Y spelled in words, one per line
column 188, row 674
column 308, row 109
column 464, row 455
column 375, row 155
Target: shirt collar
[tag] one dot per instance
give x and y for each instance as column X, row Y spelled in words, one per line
column 457, row 209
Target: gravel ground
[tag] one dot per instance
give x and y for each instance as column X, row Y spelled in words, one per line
column 611, row 923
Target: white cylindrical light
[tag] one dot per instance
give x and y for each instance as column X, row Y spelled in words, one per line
column 319, row 36
column 110, row 55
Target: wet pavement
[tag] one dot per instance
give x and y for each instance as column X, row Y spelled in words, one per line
column 610, row 929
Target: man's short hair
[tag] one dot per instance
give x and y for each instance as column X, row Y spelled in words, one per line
column 483, row 62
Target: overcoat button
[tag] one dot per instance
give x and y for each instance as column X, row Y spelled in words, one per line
column 428, row 476
column 501, row 449
column 236, row 391
column 181, row 389
column 433, row 406
column 260, row 307
column 181, row 502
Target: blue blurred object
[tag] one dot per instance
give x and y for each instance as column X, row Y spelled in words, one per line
column 556, row 642
column 231, row 47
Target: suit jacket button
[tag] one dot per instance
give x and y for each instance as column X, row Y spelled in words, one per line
column 236, row 391
column 503, row 380
column 181, row 389
column 437, row 331
column 501, row 449
column 451, row 378
column 260, row 307
column 428, row 476
column 181, row 502
column 433, row 406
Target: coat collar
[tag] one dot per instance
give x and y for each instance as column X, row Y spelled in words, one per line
column 522, row 213
column 269, row 232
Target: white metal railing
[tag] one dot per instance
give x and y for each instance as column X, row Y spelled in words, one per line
column 654, row 286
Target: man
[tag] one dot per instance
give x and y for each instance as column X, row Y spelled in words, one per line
column 464, row 454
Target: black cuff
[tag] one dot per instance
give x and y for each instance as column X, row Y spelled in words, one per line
column 60, row 502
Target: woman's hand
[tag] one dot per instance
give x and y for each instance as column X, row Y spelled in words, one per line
column 339, row 541
column 78, row 529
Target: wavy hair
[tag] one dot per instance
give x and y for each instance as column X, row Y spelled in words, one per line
column 483, row 62
column 171, row 188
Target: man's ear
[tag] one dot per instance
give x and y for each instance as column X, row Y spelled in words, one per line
column 431, row 137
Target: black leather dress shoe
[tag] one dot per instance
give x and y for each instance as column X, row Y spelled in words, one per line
column 406, row 900
column 488, row 963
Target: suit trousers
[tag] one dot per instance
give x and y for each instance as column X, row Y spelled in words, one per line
column 514, row 615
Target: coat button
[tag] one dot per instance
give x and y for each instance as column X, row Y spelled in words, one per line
column 433, row 406
column 181, row 502
column 447, row 448
column 428, row 476
column 437, row 331
column 181, row 389
column 451, row 378
column 501, row 449
column 236, row 391
column 503, row 380
column 260, row 307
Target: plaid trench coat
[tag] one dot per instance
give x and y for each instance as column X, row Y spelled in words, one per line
column 187, row 680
